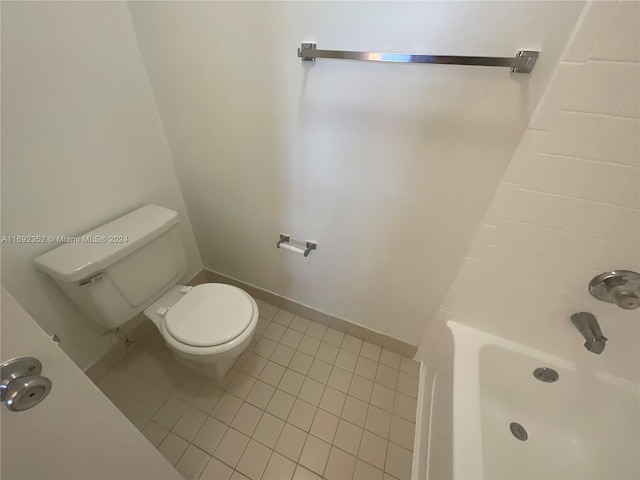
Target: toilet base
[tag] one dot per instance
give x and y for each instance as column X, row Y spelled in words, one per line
column 215, row 371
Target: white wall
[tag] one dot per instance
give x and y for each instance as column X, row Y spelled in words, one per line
column 82, row 143
column 567, row 207
column 388, row 167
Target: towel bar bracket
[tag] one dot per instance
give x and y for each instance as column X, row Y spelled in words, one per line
column 530, row 56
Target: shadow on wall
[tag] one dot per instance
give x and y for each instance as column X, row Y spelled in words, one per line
column 388, row 167
column 401, row 175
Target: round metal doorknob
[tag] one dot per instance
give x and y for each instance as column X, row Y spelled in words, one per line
column 27, row 392
column 22, row 385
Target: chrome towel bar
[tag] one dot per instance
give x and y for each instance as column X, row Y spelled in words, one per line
column 523, row 62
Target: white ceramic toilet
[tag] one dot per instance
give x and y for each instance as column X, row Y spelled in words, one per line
column 134, row 264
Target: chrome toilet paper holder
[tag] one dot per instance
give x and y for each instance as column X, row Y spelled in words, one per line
column 285, row 243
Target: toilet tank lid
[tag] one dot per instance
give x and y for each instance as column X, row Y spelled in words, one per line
column 92, row 252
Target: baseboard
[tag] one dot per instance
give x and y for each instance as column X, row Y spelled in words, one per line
column 140, row 328
column 394, row 344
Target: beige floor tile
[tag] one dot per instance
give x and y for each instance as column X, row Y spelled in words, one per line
column 311, row 391
column 364, row 471
column 302, row 473
column 408, row 385
column 291, row 338
column 361, row 388
column 398, row 461
column 172, row 448
column 378, row 421
column 268, row 311
column 262, row 325
column 366, row 368
column 170, row 412
column 332, row 401
column 352, row 344
column 231, row 447
column 324, row 426
column 300, row 324
column 387, row 376
column 151, row 402
column 239, row 362
column 301, row 362
column 253, row 365
column 355, row 410
column 309, row 345
column 382, row 397
column 209, row 435
column 291, row 382
column 208, row 397
column 226, row 381
column 346, row 360
column 334, row 337
column 268, row 430
column 227, row 408
column 192, row 463
column 253, row 342
column 315, row 454
column 340, row 465
column 135, row 417
column 275, row 332
column 279, row 468
column 402, row 432
column 134, row 392
column 348, row 437
column 272, row 374
column 254, row 460
column 114, row 382
column 155, row 433
column 410, row 366
column 282, row 355
column 216, row 470
column 405, row 407
column 247, row 419
column 280, row 404
column 320, row 371
column 190, row 387
column 236, row 475
column 373, row 449
column 261, row 394
column 316, row 330
column 302, row 415
column 340, row 379
column 371, row 351
column 386, row 476
column 390, row 359
column 189, row 424
column 291, row 442
column 283, row 317
column 241, row 385
column 327, row 353
column 265, row 347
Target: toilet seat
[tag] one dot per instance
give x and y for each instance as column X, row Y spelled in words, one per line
column 209, row 315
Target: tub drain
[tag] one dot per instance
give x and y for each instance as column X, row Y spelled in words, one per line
column 518, row 431
column 545, row 374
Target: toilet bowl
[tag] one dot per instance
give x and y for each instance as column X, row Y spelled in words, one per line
column 207, row 326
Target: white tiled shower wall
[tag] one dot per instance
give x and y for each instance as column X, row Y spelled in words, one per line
column 567, row 207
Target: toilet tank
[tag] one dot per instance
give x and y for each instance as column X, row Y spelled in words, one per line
column 114, row 272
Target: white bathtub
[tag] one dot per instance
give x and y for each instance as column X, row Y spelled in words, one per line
column 584, row 426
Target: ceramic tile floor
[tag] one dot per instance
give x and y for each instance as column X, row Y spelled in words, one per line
column 303, row 402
